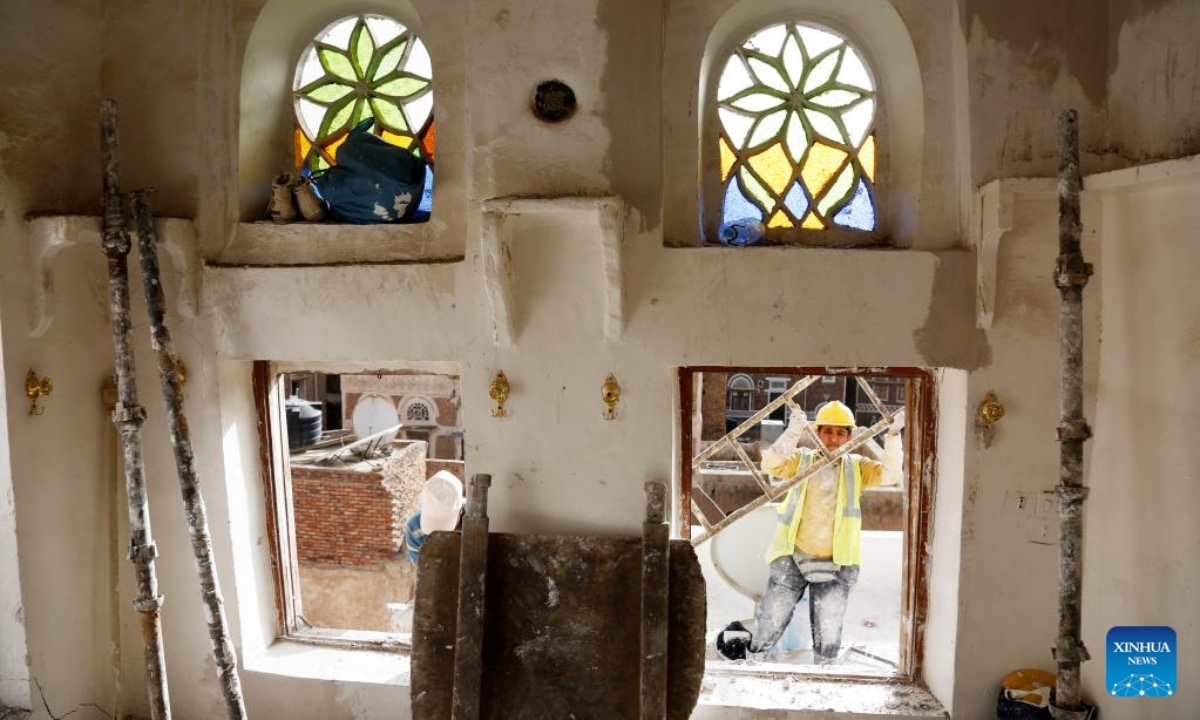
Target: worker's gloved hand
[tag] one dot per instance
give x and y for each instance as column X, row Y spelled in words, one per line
column 897, row 425
column 734, row 641
column 790, row 438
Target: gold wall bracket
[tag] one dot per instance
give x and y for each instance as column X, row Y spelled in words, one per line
column 498, row 391
column 610, row 392
column 36, row 388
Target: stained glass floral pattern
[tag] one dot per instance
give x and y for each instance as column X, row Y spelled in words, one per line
column 363, row 66
column 796, row 146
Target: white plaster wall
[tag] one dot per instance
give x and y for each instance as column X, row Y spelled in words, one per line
column 14, row 667
column 1007, row 618
column 1141, row 536
column 556, row 465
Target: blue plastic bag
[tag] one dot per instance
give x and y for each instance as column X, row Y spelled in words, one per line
column 373, row 181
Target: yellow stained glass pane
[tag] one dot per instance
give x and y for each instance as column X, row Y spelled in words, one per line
column 332, row 147
column 301, row 146
column 823, row 161
column 727, row 160
column 812, row 222
column 404, row 141
column 773, row 167
column 779, row 220
column 866, row 156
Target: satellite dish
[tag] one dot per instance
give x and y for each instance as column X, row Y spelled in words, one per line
column 373, row 414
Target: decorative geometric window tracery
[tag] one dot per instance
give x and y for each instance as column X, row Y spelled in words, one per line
column 359, row 67
column 797, row 145
column 418, row 411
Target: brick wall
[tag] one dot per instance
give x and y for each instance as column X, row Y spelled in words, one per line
column 342, row 517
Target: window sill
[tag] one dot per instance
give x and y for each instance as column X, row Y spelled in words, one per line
column 305, row 244
column 729, row 686
column 289, row 658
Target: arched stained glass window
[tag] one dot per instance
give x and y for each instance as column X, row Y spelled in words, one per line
column 359, row 67
column 797, row 143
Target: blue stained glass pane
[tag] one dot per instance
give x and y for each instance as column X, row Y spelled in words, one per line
column 859, row 213
column 796, row 201
column 736, row 206
column 426, row 205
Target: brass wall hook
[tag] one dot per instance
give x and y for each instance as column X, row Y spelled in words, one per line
column 498, row 391
column 35, row 388
column 610, row 392
column 990, row 410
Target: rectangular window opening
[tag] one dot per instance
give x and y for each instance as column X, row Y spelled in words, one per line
column 730, row 507
column 346, row 455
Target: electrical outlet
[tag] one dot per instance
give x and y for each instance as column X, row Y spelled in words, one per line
column 1016, row 502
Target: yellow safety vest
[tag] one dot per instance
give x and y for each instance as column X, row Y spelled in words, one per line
column 847, row 520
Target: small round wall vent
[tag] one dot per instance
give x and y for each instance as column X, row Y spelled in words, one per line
column 553, row 101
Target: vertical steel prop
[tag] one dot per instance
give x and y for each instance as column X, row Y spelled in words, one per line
column 128, row 416
column 185, row 462
column 1071, row 275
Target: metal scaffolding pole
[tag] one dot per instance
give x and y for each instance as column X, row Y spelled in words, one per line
column 185, row 463
column 128, row 416
column 1070, row 276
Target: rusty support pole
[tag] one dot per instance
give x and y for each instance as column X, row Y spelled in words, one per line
column 128, row 416
column 1071, row 275
column 185, row 463
column 656, row 581
column 472, row 598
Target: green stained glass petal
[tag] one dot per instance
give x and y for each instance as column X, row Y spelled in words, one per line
column 768, row 127
column 389, row 113
column 401, row 87
column 821, row 72
column 768, row 74
column 336, row 63
column 329, row 92
column 757, row 191
column 362, row 111
column 388, row 60
column 336, row 118
column 363, row 48
column 797, row 137
column 835, row 98
column 838, row 191
column 793, row 61
column 757, row 102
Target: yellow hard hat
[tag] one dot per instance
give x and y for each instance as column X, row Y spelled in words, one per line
column 835, row 413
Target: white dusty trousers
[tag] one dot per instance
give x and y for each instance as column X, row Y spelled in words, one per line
column 826, row 607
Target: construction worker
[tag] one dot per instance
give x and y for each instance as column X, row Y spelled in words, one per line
column 817, row 533
column 441, row 504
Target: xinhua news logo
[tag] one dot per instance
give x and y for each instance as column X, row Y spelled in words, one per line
column 1141, row 661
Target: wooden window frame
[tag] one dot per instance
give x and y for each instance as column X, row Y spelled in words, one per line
column 921, row 460
column 269, row 394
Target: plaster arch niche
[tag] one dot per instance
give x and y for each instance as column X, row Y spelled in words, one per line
column 266, row 117
column 694, row 58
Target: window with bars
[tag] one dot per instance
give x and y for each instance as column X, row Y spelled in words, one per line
column 358, row 68
column 729, row 506
column 794, row 137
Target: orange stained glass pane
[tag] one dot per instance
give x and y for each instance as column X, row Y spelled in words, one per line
column 812, row 222
column 301, row 146
column 332, row 147
column 823, row 161
column 427, row 142
column 404, row 141
column 773, row 166
column 779, row 220
column 727, row 160
column 866, row 156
